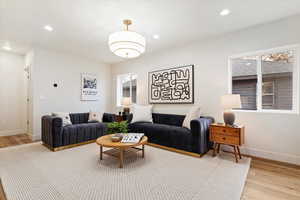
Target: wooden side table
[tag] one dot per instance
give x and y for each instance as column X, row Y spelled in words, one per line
column 119, row 118
column 228, row 135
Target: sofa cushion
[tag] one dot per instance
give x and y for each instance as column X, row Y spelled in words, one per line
column 79, row 118
column 141, row 113
column 162, row 134
column 95, row 116
column 169, row 119
column 64, row 116
column 193, row 113
column 77, row 133
column 108, row 117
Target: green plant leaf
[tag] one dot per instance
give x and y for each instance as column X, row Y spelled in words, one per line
column 117, row 127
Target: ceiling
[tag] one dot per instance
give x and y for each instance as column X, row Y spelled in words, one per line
column 81, row 27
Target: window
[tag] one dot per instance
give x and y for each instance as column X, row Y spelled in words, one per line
column 244, row 81
column 267, row 80
column 268, row 98
column 126, row 87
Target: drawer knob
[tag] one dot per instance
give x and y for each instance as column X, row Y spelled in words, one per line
column 224, row 138
column 224, row 130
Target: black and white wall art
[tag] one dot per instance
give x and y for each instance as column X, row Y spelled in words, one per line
column 172, row 86
column 89, row 90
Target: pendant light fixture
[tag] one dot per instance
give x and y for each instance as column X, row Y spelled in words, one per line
column 127, row 44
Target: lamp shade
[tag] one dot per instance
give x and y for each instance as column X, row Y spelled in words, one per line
column 230, row 101
column 126, row 101
column 127, row 44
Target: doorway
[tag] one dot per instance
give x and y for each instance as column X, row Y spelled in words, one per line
column 13, row 96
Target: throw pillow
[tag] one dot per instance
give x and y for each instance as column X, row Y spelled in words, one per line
column 141, row 113
column 66, row 120
column 95, row 116
column 194, row 113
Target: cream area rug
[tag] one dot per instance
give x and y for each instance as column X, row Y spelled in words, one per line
column 32, row 172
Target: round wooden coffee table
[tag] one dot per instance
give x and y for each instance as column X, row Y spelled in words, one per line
column 105, row 141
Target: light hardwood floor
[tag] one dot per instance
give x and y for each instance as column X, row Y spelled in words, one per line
column 267, row 180
column 6, row 141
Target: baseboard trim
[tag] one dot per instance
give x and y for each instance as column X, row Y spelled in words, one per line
column 281, row 157
column 68, row 146
column 267, row 155
column 176, row 150
column 35, row 137
column 267, row 160
column 275, row 162
column 13, row 132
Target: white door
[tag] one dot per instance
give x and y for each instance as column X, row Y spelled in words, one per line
column 13, row 94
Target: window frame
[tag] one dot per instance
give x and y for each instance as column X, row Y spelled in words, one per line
column 259, row 54
column 268, row 94
column 119, row 87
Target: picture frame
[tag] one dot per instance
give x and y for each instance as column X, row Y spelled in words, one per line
column 89, row 87
column 171, row 86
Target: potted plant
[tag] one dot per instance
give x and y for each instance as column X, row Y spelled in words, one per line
column 117, row 128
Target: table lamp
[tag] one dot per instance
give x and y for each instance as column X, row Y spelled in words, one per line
column 229, row 102
column 126, row 102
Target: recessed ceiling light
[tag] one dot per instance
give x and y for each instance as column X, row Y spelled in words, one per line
column 225, row 12
column 156, row 36
column 248, row 64
column 48, row 28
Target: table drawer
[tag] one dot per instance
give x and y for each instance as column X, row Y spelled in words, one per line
column 224, row 139
column 226, row 131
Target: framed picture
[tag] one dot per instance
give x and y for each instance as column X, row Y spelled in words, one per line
column 172, row 86
column 89, row 90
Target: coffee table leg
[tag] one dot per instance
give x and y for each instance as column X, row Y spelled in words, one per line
column 101, row 152
column 143, row 151
column 121, row 157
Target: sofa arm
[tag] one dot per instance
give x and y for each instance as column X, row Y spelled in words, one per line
column 52, row 131
column 200, row 134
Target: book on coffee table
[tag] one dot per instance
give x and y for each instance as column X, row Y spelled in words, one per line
column 132, row 137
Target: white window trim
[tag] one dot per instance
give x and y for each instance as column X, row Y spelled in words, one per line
column 119, row 90
column 296, row 49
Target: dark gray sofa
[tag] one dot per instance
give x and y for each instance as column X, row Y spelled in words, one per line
column 167, row 130
column 55, row 136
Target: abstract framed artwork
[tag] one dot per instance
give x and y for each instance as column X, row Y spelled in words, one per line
column 89, row 90
column 171, row 86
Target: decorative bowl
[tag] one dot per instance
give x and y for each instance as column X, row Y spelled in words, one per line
column 116, row 138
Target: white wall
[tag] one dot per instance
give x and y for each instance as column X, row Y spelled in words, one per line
column 65, row 70
column 13, row 94
column 274, row 136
